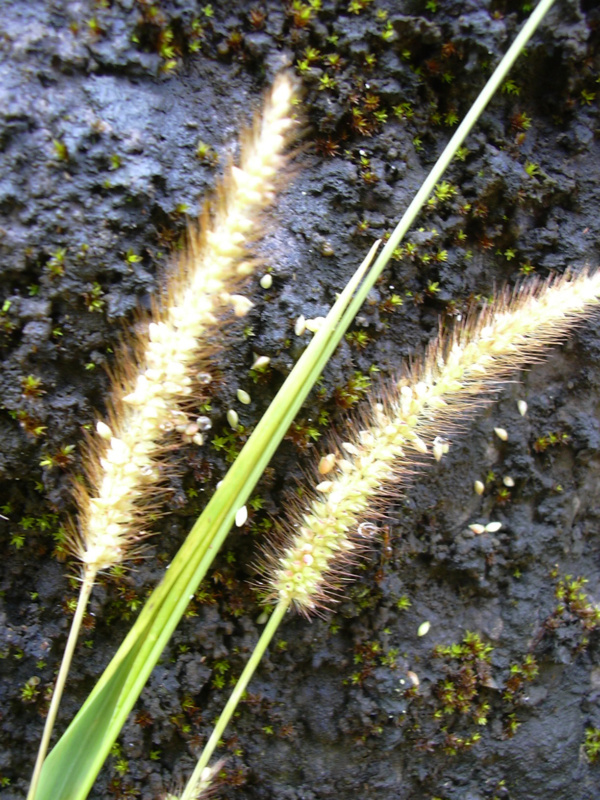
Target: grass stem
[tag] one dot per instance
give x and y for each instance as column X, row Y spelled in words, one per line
column 191, row 789
column 82, row 601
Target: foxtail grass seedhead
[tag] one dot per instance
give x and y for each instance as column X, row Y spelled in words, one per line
column 206, row 786
column 171, row 357
column 457, row 374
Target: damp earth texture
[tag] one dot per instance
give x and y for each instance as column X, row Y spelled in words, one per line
column 463, row 662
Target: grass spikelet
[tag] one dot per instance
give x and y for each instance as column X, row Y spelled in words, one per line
column 457, row 374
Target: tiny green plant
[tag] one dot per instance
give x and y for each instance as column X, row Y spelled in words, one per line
column 591, row 745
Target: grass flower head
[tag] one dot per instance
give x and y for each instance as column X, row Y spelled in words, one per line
column 123, row 465
column 457, row 374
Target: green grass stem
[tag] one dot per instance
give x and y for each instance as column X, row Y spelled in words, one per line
column 65, row 665
column 265, row 639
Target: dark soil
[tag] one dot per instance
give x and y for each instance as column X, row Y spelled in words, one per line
column 103, row 105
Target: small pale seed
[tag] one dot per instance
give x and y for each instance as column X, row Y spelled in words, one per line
column 440, row 448
column 327, row 463
column 241, row 516
column 266, row 281
column 493, row 527
column 508, row 481
column 501, row 433
column 313, row 325
column 522, row 406
column 243, row 397
column 233, row 418
column 423, row 628
column 261, row 362
column 477, row 529
column 300, row 326
column 413, row 677
column 103, row 430
column 479, row 487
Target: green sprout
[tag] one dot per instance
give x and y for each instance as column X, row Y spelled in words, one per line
column 360, row 339
column 510, row 87
column 132, row 258
column 17, row 540
column 301, row 13
column 206, row 153
column 587, row 97
column 388, row 32
column 56, row 264
column 532, row 169
column 591, row 745
column 326, row 82
column 61, row 151
column 30, row 691
column 444, row 191
column 93, row 298
column 31, row 386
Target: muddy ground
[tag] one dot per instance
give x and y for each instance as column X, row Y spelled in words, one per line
column 115, row 119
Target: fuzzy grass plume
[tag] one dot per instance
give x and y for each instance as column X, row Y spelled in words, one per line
column 170, row 358
column 150, row 392
column 457, row 374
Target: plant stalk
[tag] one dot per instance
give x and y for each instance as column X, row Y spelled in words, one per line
column 240, row 687
column 84, row 595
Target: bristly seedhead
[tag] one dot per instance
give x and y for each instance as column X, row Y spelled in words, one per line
column 150, row 391
column 457, row 374
column 204, row 787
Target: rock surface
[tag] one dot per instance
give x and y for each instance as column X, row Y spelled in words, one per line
column 115, row 119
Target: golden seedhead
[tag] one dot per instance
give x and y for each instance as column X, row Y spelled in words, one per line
column 457, row 374
column 123, row 464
